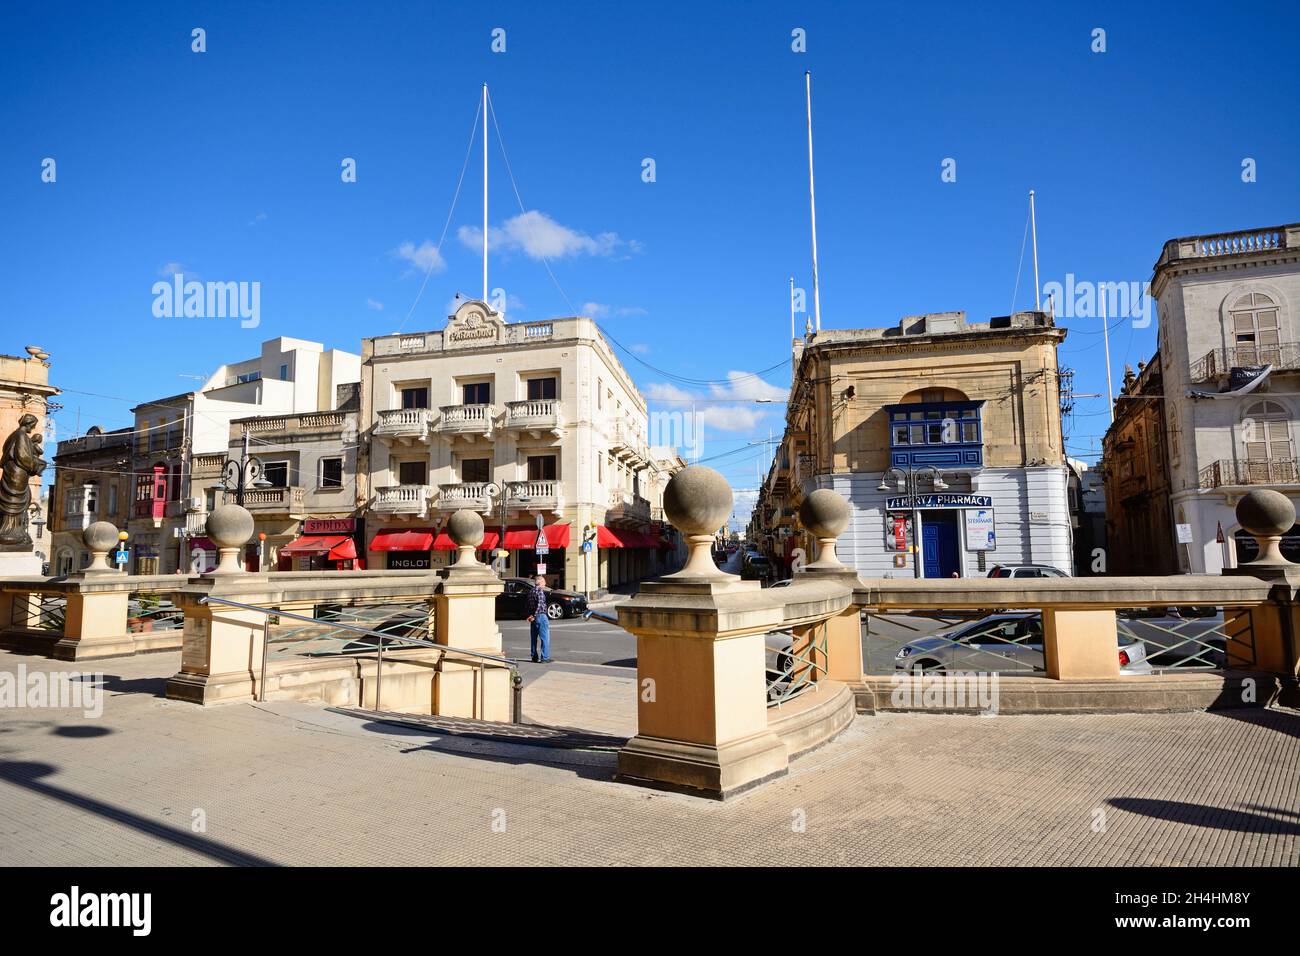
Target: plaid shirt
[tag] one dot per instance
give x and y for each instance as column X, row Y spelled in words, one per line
column 535, row 603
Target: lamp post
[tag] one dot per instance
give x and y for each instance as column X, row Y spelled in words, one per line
column 237, row 475
column 907, row 480
column 121, row 547
column 502, row 491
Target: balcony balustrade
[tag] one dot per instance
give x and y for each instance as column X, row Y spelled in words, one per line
column 290, row 500
column 626, row 504
column 467, row 420
column 546, row 495
column 1218, row 363
column 402, row 499
column 403, row 424
column 470, row 494
column 1272, row 471
column 535, row 416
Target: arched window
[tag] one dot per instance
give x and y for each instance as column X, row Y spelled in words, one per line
column 1266, row 437
column 1254, row 329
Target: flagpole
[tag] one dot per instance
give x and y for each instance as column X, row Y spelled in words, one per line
column 1105, row 338
column 1033, row 219
column 485, row 192
column 812, row 205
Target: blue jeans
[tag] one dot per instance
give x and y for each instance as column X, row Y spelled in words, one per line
column 539, row 631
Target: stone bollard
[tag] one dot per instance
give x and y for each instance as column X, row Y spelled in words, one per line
column 465, row 616
column 1264, row 637
column 702, row 722
column 230, row 527
column 100, row 538
column 826, row 514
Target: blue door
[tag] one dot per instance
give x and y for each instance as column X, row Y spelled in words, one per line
column 939, row 545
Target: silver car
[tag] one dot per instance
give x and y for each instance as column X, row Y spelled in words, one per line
column 1009, row 642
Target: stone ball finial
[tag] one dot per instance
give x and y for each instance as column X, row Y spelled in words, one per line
column 100, row 537
column 825, row 513
column 230, row 526
column 1265, row 512
column 697, row 500
column 466, row 528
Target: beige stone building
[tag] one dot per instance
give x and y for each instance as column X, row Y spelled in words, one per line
column 25, row 389
column 523, row 422
column 943, row 434
column 92, row 482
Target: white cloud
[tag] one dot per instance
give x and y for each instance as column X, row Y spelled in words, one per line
column 747, row 386
column 538, row 236
column 727, row 408
column 171, row 269
column 260, row 217
column 375, row 304
column 639, row 348
column 594, row 310
column 424, row 257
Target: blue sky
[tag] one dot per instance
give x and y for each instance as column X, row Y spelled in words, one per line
column 227, row 163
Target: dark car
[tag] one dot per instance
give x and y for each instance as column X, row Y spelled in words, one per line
column 559, row 604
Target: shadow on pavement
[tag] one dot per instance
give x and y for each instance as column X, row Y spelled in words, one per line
column 1199, row 815
column 28, row 775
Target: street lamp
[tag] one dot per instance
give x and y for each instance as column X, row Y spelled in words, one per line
column 493, row 490
column 908, row 481
column 121, row 547
column 239, row 475
column 37, row 522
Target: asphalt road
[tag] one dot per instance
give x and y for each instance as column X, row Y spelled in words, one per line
column 574, row 641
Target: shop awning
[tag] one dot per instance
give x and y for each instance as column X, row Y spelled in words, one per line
column 203, row 544
column 394, row 539
column 606, row 538
column 523, row 538
column 444, row 543
column 344, row 551
column 318, row 544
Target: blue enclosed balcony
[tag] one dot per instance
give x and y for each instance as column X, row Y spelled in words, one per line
column 942, row 434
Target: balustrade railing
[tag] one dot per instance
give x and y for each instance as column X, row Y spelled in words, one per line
column 1271, row 471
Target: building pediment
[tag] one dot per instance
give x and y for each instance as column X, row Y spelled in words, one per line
column 473, row 325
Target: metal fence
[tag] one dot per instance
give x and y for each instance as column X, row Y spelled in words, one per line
column 795, row 663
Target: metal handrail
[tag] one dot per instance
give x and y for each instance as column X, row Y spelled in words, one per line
column 805, row 662
column 516, row 682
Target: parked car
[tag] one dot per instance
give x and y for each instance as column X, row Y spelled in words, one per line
column 1026, row 571
column 559, row 604
column 1011, row 641
column 756, row 568
column 1178, row 636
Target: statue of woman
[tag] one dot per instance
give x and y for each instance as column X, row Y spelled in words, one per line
column 20, row 461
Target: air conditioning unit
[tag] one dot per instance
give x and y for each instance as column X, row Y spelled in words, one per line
column 193, row 504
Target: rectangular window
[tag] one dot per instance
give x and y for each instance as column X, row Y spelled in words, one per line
column 541, row 467
column 600, row 394
column 331, row 472
column 277, row 473
column 415, row 398
column 477, row 393
column 284, row 373
column 412, row 472
column 475, row 470
column 540, row 389
column 112, row 500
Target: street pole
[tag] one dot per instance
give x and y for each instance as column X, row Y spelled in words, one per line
column 243, row 469
column 812, row 205
column 1033, row 220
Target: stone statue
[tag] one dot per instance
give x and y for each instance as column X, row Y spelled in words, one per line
column 21, row 461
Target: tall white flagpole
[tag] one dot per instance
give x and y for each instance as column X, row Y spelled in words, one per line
column 1033, row 220
column 1105, row 337
column 485, row 193
column 812, row 204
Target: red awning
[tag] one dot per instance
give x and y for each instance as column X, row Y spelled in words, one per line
column 344, row 551
column 444, row 543
column 523, row 538
column 393, row 539
column 316, row 544
column 606, row 538
column 203, row 544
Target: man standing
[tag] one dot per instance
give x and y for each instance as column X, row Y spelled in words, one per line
column 539, row 625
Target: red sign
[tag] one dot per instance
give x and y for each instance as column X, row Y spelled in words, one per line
column 900, row 534
column 329, row 525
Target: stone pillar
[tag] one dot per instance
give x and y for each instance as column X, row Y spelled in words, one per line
column 1080, row 645
column 464, row 608
column 94, row 622
column 701, row 681
column 826, row 514
column 221, row 650
column 1266, row 638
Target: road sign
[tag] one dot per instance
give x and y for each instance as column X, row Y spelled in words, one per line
column 586, row 547
column 120, row 557
column 541, row 569
column 542, row 546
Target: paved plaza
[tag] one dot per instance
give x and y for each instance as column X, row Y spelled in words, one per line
column 154, row 781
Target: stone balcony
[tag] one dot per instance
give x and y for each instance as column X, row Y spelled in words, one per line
column 469, row 421
column 471, row 495
column 536, row 416
column 403, row 425
column 1236, row 474
column 289, row 501
column 627, row 506
column 626, row 444
column 402, row 500
column 546, row 495
column 1219, row 363
column 1265, row 240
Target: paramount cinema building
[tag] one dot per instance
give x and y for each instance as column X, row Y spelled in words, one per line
column 941, row 433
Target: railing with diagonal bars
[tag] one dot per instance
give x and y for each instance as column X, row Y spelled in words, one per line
column 796, row 662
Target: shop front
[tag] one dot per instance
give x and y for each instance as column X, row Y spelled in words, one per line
column 956, row 532
column 405, row 549
column 326, row 544
column 523, row 542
